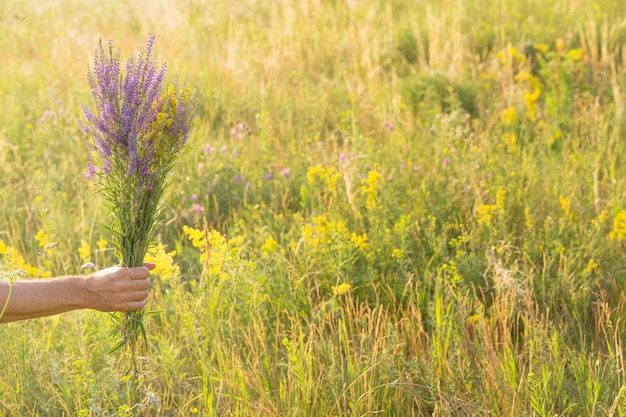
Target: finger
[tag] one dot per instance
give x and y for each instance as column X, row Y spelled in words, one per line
column 135, row 285
column 139, row 272
column 149, row 265
column 138, row 295
column 134, row 305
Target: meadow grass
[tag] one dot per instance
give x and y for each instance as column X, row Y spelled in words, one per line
column 423, row 215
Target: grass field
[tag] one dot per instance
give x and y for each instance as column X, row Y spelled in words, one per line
column 413, row 208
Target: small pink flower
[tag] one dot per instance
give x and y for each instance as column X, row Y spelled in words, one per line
column 194, row 197
column 389, row 126
column 198, row 208
column 286, row 172
column 446, row 162
column 209, row 149
column 269, row 176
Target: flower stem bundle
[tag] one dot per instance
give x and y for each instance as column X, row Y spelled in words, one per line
column 135, row 131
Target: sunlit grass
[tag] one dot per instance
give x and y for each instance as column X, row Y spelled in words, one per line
column 423, row 214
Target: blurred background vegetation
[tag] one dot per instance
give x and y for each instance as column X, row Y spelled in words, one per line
column 412, row 208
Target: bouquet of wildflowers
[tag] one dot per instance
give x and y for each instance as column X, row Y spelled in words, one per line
column 135, row 132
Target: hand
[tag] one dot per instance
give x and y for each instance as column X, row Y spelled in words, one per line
column 119, row 288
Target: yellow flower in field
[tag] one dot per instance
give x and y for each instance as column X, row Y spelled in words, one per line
column 102, row 244
column 327, row 176
column 42, row 238
column 530, row 99
column 18, row 262
column 530, row 222
column 370, row 188
column 500, row 198
column 313, row 173
column 165, row 266
column 601, row 217
column 511, row 54
column 508, row 116
column 591, row 266
column 341, row 289
column 84, row 251
column 359, row 241
column 575, row 55
column 3, row 248
column 307, row 232
column 559, row 45
column 619, row 227
column 485, row 213
column 510, row 139
column 270, row 245
column 197, row 237
column 566, row 207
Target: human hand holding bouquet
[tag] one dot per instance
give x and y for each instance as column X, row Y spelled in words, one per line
column 135, row 132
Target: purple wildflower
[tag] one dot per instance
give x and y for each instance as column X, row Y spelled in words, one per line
column 194, row 197
column 198, row 208
column 223, row 149
column 446, row 162
column 209, row 149
column 389, row 126
column 342, row 157
column 286, row 172
column 91, row 170
column 269, row 176
column 238, row 178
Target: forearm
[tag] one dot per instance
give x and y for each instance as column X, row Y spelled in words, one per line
column 29, row 299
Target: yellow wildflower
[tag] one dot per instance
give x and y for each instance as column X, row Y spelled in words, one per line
column 530, row 222
column 102, row 244
column 619, row 226
column 485, row 213
column 84, row 251
column 574, row 55
column 508, row 116
column 359, row 241
column 341, row 289
column 591, row 266
column 42, row 238
column 270, row 245
column 165, row 266
column 197, row 237
column 500, row 198
column 3, row 248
